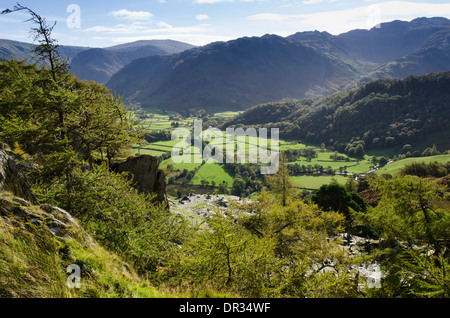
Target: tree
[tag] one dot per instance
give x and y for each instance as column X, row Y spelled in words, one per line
column 225, row 256
column 407, row 148
column 47, row 48
column 322, row 147
column 238, row 187
column 409, row 212
column 431, row 151
column 280, row 183
column 94, row 122
column 389, row 142
column 408, row 206
column 334, row 197
column 58, row 120
column 60, row 111
column 350, row 184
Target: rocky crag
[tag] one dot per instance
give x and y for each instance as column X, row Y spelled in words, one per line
column 19, row 207
column 12, row 178
column 145, row 175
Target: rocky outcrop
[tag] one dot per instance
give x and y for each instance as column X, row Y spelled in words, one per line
column 18, row 204
column 22, row 213
column 12, row 178
column 146, row 176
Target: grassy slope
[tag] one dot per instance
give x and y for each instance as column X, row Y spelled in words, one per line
column 212, row 172
column 33, row 264
column 398, row 165
column 315, row 182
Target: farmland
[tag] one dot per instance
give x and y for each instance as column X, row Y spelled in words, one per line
column 398, row 165
column 315, row 165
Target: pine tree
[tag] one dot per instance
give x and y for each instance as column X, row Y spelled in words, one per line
column 280, row 183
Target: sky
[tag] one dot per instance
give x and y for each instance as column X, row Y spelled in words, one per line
column 99, row 23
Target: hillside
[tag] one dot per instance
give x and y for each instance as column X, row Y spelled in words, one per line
column 231, row 75
column 380, row 114
column 238, row 74
column 97, row 64
column 24, row 51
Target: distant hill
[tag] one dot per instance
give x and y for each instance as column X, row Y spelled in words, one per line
column 100, row 64
column 248, row 71
column 97, row 64
column 380, row 114
column 231, row 75
column 24, row 51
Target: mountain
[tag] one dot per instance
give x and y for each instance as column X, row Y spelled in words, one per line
column 24, row 51
column 379, row 114
column 252, row 70
column 232, row 75
column 100, row 64
column 97, row 64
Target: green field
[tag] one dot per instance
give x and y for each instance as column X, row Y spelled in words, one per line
column 215, row 172
column 212, row 172
column 315, row 182
column 179, row 166
column 396, row 166
column 164, row 122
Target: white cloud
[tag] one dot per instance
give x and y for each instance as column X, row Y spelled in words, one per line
column 198, row 34
column 318, row 1
column 212, row 1
column 117, row 29
column 201, row 17
column 131, row 15
column 363, row 17
column 312, row 1
column 162, row 24
column 270, row 17
column 218, row 1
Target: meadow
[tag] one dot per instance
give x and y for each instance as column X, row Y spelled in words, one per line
column 396, row 166
column 212, row 173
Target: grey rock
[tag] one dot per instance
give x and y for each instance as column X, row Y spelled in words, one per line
column 59, row 213
column 146, row 176
column 58, row 232
column 12, row 177
column 22, row 202
column 36, row 221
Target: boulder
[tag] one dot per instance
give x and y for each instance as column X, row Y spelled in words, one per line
column 12, row 177
column 146, row 176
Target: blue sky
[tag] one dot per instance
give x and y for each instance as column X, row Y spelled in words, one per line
column 105, row 23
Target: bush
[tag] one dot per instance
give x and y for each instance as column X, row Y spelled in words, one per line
column 116, row 215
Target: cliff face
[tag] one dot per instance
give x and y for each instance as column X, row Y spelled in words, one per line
column 12, row 178
column 146, row 175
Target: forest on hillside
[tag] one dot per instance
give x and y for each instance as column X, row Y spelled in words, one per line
column 381, row 114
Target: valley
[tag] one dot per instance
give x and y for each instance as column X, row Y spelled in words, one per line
column 308, row 173
column 303, row 166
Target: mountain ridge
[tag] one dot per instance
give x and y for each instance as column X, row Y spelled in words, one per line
column 100, row 64
column 97, row 64
column 248, row 71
